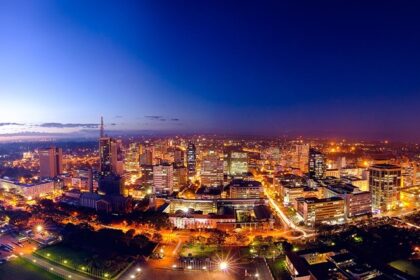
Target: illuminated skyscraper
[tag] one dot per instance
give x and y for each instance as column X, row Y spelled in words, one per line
column 384, row 184
column 301, row 157
column 110, row 155
column 163, row 178
column 211, row 172
column 191, row 159
column 51, row 162
column 317, row 164
column 179, row 156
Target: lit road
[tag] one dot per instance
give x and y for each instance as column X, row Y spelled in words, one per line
column 285, row 219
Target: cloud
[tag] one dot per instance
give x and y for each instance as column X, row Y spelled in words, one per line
column 10, row 123
column 118, row 117
column 161, row 118
column 69, row 125
column 156, row 118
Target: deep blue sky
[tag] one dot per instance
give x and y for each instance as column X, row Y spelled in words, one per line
column 326, row 68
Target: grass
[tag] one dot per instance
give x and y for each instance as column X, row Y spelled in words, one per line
column 198, row 251
column 278, row 268
column 406, row 267
column 81, row 261
column 23, row 270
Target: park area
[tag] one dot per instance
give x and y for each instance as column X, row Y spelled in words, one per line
column 21, row 269
column 198, row 250
column 84, row 262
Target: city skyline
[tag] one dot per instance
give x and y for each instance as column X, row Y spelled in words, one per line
column 333, row 70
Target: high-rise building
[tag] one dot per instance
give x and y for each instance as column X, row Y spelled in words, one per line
column 237, row 163
column 105, row 156
column 179, row 156
column 51, row 162
column 163, row 181
column 110, row 154
column 317, row 164
column 146, row 175
column 384, row 184
column 146, row 157
column 180, row 177
column 191, row 159
column 300, row 157
column 211, row 172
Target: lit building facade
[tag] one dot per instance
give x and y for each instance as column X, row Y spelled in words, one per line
column 191, row 159
column 317, row 164
column 237, row 163
column 211, row 172
column 245, row 189
column 163, row 181
column 384, row 184
column 316, row 211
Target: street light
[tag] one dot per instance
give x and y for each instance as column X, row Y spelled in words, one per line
column 39, row 228
column 223, row 265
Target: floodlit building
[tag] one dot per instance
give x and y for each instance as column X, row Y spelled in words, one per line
column 245, row 189
column 316, row 211
column 163, row 181
column 211, row 172
column 237, row 162
column 384, row 184
column 191, row 159
column 29, row 191
column 317, row 164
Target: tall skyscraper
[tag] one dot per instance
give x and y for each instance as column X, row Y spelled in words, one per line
column 105, row 156
column 110, row 154
column 191, row 159
column 384, row 184
column 211, row 172
column 163, row 181
column 301, row 157
column 147, row 155
column 51, row 162
column 317, row 164
column 179, row 156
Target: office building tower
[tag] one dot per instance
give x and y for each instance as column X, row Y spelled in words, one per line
column 179, row 156
column 384, row 184
column 317, row 164
column 300, row 157
column 237, row 163
column 110, row 185
column 211, row 172
column 163, row 181
column 147, row 156
column 180, row 177
column 191, row 159
column 105, row 156
column 146, row 175
column 51, row 162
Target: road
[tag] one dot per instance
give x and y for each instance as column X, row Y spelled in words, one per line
column 289, row 223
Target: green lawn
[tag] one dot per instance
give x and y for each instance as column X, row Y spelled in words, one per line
column 407, row 267
column 21, row 269
column 278, row 268
column 82, row 261
column 198, row 250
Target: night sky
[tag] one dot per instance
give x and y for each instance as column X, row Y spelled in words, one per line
column 311, row 68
